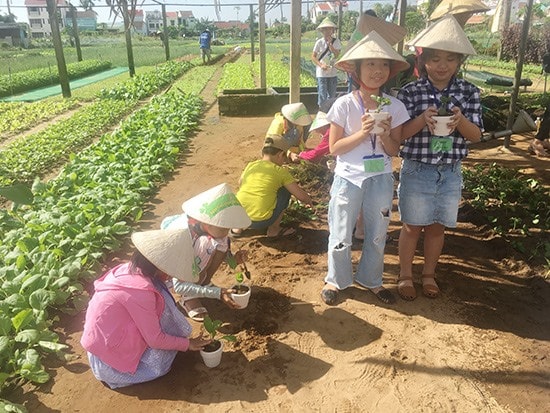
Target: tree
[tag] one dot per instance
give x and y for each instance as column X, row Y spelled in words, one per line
column 7, row 18
column 87, row 4
column 121, row 8
column 383, row 10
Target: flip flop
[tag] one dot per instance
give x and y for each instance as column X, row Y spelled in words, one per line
column 283, row 232
column 195, row 312
column 235, row 234
column 384, row 295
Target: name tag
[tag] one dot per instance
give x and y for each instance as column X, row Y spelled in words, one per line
column 441, row 144
column 373, row 163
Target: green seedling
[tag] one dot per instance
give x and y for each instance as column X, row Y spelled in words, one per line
column 442, row 111
column 212, row 327
column 381, row 102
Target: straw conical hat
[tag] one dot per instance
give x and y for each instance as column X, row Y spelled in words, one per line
column 326, row 23
column 217, row 206
column 170, row 250
column 444, row 34
column 319, row 121
column 296, row 113
column 462, row 10
column 372, row 46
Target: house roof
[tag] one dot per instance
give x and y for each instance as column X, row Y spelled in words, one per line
column 86, row 14
column 186, row 13
column 172, row 14
column 230, row 25
column 476, row 19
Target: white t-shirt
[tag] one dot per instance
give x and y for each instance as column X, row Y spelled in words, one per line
column 329, row 59
column 346, row 112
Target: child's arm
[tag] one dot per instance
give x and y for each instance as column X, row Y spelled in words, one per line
column 339, row 146
column 469, row 130
column 299, row 193
column 415, row 125
column 391, row 141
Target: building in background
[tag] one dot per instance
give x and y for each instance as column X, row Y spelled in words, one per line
column 14, row 34
column 85, row 20
column 320, row 10
column 186, row 19
column 39, row 20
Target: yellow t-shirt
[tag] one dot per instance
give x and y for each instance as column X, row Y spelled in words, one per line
column 277, row 127
column 260, row 182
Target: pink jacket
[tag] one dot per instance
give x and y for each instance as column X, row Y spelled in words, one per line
column 123, row 319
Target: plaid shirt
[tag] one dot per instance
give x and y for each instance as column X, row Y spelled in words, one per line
column 418, row 96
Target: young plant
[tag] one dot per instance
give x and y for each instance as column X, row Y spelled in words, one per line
column 212, row 327
column 442, row 111
column 381, row 102
column 239, row 275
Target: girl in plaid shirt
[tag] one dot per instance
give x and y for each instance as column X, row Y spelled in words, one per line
column 430, row 179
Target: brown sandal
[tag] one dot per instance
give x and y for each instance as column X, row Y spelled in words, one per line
column 405, row 288
column 429, row 286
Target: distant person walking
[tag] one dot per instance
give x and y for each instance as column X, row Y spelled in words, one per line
column 204, row 43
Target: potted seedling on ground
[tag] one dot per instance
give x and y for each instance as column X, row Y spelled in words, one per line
column 377, row 113
column 442, row 118
column 212, row 353
column 241, row 292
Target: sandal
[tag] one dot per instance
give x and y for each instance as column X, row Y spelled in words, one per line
column 405, row 288
column 283, row 232
column 429, row 286
column 383, row 295
column 329, row 296
column 194, row 309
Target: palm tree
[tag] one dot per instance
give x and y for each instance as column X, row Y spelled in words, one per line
column 126, row 9
column 87, row 4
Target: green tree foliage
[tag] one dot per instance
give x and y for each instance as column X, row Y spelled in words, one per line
column 538, row 43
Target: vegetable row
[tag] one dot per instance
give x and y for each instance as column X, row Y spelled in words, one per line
column 31, row 79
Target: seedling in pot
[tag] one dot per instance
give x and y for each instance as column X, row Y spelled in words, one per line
column 239, row 277
column 443, row 111
column 212, row 327
column 381, row 101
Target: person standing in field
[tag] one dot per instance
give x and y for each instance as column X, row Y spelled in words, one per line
column 205, row 39
column 325, row 52
column 363, row 177
column 430, row 184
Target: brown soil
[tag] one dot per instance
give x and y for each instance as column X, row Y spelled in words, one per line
column 482, row 346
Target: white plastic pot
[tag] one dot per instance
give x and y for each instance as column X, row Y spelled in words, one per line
column 212, row 358
column 441, row 128
column 378, row 117
column 242, row 299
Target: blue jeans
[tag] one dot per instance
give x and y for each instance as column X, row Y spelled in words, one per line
column 326, row 88
column 283, row 198
column 375, row 197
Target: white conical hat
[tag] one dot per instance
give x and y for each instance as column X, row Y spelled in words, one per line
column 296, row 113
column 319, row 121
column 326, row 23
column 444, row 34
column 462, row 10
column 217, row 206
column 372, row 46
column 170, row 250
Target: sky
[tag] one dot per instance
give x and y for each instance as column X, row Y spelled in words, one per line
column 228, row 12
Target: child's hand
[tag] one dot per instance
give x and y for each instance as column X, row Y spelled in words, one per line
column 456, row 118
column 386, row 126
column 196, row 344
column 427, row 116
column 226, row 298
column 367, row 124
column 241, row 256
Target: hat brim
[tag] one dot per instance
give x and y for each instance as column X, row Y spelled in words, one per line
column 288, row 112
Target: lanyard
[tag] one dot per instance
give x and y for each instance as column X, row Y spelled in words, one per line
column 433, row 92
column 372, row 136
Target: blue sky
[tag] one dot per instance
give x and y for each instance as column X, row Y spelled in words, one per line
column 227, row 12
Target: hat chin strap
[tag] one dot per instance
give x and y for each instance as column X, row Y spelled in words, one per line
column 359, row 82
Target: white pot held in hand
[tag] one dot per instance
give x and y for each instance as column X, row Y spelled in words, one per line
column 378, row 117
column 441, row 128
column 241, row 298
column 212, row 358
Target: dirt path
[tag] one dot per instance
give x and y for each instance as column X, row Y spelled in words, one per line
column 482, row 347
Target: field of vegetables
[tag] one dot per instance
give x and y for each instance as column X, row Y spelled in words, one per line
column 49, row 248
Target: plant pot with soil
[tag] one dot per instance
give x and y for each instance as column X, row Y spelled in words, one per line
column 442, row 118
column 212, row 353
column 241, row 292
column 377, row 114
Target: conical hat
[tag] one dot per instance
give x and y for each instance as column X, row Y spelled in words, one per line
column 326, row 23
column 296, row 113
column 217, row 206
column 462, row 10
column 170, row 250
column 444, row 34
column 319, row 121
column 372, row 46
